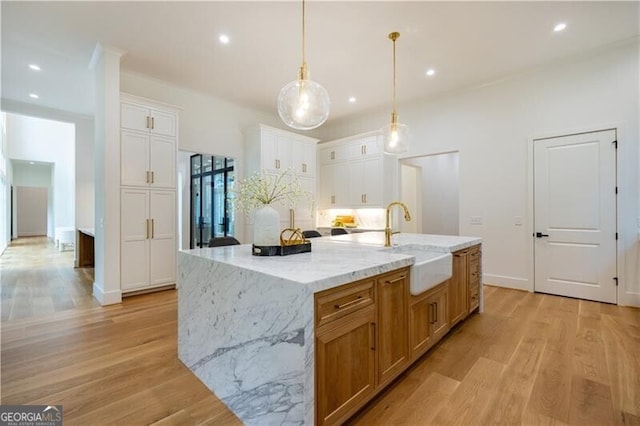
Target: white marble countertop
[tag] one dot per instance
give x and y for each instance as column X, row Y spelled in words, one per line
column 335, row 260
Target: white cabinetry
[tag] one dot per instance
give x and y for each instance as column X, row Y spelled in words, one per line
column 274, row 151
column 355, row 173
column 148, row 143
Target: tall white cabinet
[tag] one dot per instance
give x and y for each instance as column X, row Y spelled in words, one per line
column 355, row 173
column 275, row 150
column 148, row 146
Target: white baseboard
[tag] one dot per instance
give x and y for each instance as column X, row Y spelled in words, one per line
column 507, row 282
column 629, row 299
column 106, row 298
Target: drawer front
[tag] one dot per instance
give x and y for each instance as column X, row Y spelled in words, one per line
column 336, row 303
column 474, row 300
column 474, row 270
column 474, row 253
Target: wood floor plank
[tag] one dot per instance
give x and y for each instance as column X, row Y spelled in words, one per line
column 590, row 403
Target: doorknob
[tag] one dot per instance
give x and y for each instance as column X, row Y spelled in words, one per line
column 540, row 235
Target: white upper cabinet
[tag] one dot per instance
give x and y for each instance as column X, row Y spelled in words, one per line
column 149, row 120
column 147, row 146
column 355, row 173
column 275, row 150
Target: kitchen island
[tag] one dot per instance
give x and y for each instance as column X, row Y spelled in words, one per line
column 246, row 323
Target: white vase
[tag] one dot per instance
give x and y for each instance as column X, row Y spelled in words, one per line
column 266, row 226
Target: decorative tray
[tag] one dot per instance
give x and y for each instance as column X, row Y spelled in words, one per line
column 296, row 243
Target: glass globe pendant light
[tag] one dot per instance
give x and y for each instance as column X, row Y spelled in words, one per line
column 396, row 135
column 303, row 104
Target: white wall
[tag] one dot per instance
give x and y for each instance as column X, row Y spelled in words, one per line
column 36, row 139
column 439, row 174
column 184, row 199
column 491, row 127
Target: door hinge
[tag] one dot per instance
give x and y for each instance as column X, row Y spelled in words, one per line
column 616, row 280
column 615, row 143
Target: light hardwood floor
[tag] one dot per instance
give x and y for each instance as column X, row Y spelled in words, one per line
column 529, row 359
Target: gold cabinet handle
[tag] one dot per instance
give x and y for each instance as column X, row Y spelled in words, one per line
column 146, row 234
column 148, row 122
column 147, row 180
column 152, row 177
column 400, row 278
column 333, row 155
column 333, row 199
column 365, row 198
column 344, row 305
column 304, row 168
column 153, row 123
column 152, row 230
column 364, row 149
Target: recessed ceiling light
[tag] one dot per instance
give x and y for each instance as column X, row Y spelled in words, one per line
column 352, row 99
column 559, row 27
column 33, row 96
column 224, row 39
column 34, row 67
column 430, row 72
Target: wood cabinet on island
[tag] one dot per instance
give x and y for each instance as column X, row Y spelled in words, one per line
column 277, row 338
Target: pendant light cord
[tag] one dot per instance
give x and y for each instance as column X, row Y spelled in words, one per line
column 394, row 75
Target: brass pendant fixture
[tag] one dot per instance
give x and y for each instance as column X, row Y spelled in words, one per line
column 396, row 135
column 303, row 104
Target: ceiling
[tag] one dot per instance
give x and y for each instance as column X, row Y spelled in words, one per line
column 466, row 43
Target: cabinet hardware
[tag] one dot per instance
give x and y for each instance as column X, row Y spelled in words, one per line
column 372, row 336
column 152, row 230
column 435, row 315
column 304, row 168
column 152, row 177
column 147, row 180
column 395, row 280
column 153, row 122
column 333, row 155
column 540, row 235
column 148, row 122
column 277, row 164
column 333, row 199
column 431, row 309
column 146, row 234
column 344, row 305
column 365, row 198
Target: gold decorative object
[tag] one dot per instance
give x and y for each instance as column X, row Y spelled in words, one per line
column 292, row 237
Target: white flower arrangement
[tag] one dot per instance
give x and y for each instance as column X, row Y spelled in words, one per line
column 268, row 188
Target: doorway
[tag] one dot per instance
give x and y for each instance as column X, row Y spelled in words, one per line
column 575, row 204
column 435, row 178
column 212, row 213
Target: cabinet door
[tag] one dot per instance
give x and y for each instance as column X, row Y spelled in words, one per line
column 269, row 150
column 162, row 162
column 345, row 365
column 420, row 321
column 134, row 117
column 392, row 330
column 305, row 208
column 283, row 153
column 162, row 237
column 134, row 159
column 135, row 233
column 458, row 287
column 163, row 123
column 439, row 306
column 303, row 158
column 341, row 185
column 366, row 182
column 372, row 181
column 326, row 199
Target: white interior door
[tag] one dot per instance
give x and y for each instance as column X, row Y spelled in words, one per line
column 575, row 216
